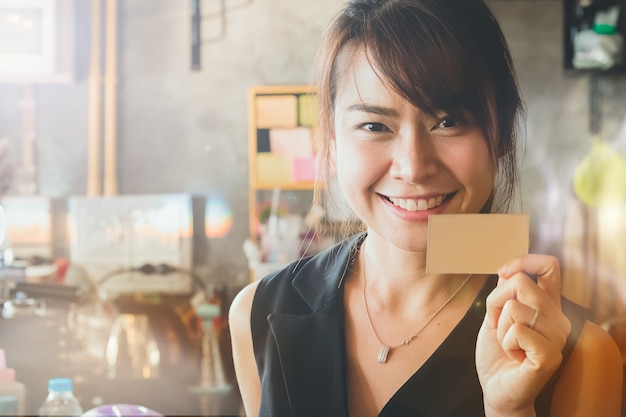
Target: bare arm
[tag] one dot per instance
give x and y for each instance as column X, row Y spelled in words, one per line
column 243, row 354
column 591, row 382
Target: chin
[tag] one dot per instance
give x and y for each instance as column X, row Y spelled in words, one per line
column 407, row 241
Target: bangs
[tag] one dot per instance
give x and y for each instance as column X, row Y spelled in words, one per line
column 434, row 83
column 418, row 57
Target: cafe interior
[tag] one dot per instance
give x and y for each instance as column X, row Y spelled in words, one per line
column 155, row 157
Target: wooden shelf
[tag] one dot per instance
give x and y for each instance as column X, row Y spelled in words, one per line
column 272, row 110
column 308, row 185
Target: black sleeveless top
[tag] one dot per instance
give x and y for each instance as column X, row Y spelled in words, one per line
column 297, row 323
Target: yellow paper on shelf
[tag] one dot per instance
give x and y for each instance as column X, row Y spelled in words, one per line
column 276, row 111
column 272, row 169
column 307, row 110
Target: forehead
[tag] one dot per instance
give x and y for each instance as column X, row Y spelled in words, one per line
column 358, row 80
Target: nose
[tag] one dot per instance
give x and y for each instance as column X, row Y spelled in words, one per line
column 414, row 159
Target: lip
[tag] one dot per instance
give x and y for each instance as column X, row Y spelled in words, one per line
column 419, row 215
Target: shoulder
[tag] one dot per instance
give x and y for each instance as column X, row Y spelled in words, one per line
column 242, row 349
column 314, row 276
column 262, row 296
column 596, row 346
column 241, row 307
column 592, row 378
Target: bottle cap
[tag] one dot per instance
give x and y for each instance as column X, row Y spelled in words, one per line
column 208, row 311
column 604, row 29
column 60, row 384
column 6, row 374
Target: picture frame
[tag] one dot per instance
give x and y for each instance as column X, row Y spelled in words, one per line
column 37, row 41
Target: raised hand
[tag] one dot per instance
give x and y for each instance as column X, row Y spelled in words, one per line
column 520, row 342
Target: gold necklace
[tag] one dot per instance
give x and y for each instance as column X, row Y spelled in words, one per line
column 384, row 351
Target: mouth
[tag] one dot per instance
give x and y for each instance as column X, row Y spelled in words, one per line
column 419, row 204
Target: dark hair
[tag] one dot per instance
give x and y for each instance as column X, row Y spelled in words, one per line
column 439, row 55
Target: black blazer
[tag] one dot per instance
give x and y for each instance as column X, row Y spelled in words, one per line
column 297, row 323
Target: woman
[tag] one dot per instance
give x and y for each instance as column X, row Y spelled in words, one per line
column 418, row 116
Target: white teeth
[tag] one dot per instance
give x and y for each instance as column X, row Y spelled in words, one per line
column 419, row 204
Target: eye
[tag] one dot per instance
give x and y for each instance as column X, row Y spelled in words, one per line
column 448, row 122
column 374, row 127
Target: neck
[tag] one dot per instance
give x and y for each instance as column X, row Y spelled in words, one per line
column 394, row 269
column 397, row 281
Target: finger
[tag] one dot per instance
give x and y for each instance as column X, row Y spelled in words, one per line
column 517, row 312
column 533, row 320
column 539, row 354
column 518, row 287
column 545, row 267
column 549, row 322
column 522, row 289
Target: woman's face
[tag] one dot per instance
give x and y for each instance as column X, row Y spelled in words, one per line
column 397, row 165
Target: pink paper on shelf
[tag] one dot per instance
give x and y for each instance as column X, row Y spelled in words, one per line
column 293, row 143
column 303, row 169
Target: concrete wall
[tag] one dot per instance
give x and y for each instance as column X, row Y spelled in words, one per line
column 558, row 113
column 185, row 131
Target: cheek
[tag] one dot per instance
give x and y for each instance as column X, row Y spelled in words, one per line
column 474, row 166
column 346, row 157
column 353, row 170
column 482, row 174
column 345, row 168
column 357, row 162
column 347, row 187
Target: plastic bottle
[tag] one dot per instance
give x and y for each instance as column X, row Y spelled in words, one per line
column 12, row 392
column 60, row 400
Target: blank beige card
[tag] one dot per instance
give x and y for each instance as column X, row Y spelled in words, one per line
column 475, row 243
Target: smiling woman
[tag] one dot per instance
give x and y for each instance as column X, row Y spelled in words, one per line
column 406, row 156
column 418, row 113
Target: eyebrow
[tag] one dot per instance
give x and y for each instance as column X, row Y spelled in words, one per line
column 368, row 108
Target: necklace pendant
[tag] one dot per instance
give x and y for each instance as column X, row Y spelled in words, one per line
column 383, row 353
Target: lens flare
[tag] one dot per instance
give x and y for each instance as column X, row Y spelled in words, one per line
column 218, row 218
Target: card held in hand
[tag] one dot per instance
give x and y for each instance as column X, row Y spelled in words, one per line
column 475, row 243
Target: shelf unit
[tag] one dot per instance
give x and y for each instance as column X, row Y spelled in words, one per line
column 282, row 121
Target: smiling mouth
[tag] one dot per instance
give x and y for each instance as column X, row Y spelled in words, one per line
column 419, row 204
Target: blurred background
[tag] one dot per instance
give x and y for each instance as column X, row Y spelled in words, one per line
column 133, row 208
